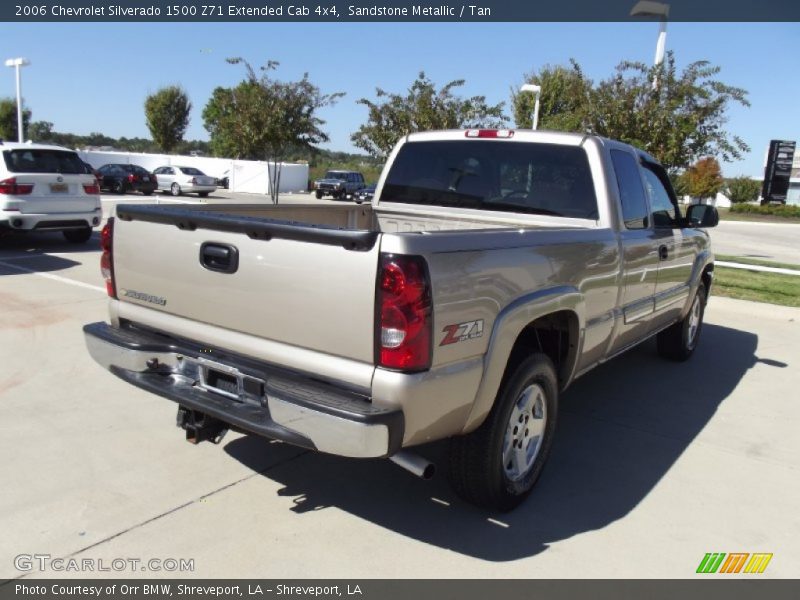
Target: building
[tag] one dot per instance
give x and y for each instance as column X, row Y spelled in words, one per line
column 793, row 195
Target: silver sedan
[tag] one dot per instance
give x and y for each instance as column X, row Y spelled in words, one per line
column 179, row 180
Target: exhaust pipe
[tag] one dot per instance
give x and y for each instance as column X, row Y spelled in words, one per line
column 414, row 464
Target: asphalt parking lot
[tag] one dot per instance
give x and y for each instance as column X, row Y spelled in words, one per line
column 654, row 465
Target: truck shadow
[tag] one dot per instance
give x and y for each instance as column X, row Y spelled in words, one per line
column 621, row 429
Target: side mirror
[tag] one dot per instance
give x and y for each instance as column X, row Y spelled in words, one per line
column 702, row 215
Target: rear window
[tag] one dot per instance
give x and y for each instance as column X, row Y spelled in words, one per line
column 29, row 160
column 548, row 179
column 191, row 171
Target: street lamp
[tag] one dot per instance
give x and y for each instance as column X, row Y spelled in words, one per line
column 17, row 63
column 649, row 8
column 534, row 89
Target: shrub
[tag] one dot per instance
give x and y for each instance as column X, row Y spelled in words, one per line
column 777, row 210
column 742, row 189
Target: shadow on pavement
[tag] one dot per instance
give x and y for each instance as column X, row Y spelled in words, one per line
column 621, row 428
column 34, row 252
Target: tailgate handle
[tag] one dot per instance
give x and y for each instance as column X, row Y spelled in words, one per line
column 223, row 258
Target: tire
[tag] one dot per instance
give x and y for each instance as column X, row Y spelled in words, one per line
column 78, row 236
column 477, row 469
column 118, row 187
column 318, row 195
column 202, row 194
column 679, row 341
column 148, row 193
column 175, row 189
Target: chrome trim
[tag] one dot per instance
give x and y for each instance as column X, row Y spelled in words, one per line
column 638, row 310
column 331, row 434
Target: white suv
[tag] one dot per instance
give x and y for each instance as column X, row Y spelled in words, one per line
column 47, row 188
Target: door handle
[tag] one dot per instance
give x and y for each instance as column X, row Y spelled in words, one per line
column 222, row 258
column 663, row 252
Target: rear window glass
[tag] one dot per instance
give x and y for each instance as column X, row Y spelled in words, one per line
column 548, row 179
column 190, row 171
column 29, row 160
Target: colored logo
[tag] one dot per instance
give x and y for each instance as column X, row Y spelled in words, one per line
column 735, row 562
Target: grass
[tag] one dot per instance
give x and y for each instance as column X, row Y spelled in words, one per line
column 772, row 288
column 756, row 261
column 725, row 214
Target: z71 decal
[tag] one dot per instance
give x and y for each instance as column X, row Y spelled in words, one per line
column 460, row 332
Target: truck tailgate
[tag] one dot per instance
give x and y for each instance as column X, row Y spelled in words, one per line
column 296, row 284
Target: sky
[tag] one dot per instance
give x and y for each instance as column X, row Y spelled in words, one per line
column 87, row 77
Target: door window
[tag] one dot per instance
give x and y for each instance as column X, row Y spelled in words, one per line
column 631, row 192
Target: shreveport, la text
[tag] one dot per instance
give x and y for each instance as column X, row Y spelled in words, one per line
column 168, row 589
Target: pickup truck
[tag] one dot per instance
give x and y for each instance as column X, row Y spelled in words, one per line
column 492, row 269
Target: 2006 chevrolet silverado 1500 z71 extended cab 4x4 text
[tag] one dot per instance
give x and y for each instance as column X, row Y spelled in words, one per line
column 492, row 269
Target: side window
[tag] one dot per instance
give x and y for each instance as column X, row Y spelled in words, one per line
column 631, row 192
column 664, row 212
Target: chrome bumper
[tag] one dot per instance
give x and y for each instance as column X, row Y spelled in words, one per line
column 249, row 396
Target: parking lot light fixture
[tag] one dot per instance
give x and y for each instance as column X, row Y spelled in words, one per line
column 17, row 63
column 534, row 89
column 649, row 8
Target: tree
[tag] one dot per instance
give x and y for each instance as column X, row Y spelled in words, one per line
column 704, row 179
column 678, row 120
column 40, row 131
column 742, row 189
column 8, row 119
column 422, row 108
column 563, row 102
column 263, row 118
column 167, row 114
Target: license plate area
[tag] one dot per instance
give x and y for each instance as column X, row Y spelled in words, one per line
column 59, row 188
column 226, row 381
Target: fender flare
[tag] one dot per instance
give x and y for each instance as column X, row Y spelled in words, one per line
column 506, row 330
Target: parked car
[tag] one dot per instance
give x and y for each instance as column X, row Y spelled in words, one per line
column 90, row 169
column 365, row 194
column 494, row 269
column 124, row 178
column 47, row 188
column 339, row 184
column 179, row 180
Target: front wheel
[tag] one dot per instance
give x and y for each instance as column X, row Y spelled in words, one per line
column 175, row 189
column 497, row 465
column 678, row 341
column 319, row 195
column 78, row 236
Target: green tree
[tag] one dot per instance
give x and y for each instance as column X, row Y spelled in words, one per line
column 679, row 119
column 704, row 178
column 8, row 119
column 563, row 102
column 421, row 108
column 263, row 118
column 167, row 114
column 742, row 189
column 40, row 131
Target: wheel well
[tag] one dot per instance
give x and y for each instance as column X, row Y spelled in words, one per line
column 555, row 335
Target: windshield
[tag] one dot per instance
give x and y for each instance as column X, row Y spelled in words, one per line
column 548, row 179
column 191, row 171
column 30, row 160
column 335, row 175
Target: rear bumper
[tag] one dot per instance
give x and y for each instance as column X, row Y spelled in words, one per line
column 16, row 221
column 258, row 398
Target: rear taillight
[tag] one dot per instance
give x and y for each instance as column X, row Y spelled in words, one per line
column 403, row 336
column 12, row 188
column 91, row 188
column 154, row 179
column 131, row 177
column 489, row 133
column 107, row 258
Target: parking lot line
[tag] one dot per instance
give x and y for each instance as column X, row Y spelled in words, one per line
column 51, row 276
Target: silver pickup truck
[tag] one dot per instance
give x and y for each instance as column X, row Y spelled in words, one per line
column 492, row 269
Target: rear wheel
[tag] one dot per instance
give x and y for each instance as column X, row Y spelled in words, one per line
column 319, row 195
column 175, row 189
column 78, row 236
column 497, row 465
column 678, row 341
column 118, row 187
column 202, row 194
column 148, row 193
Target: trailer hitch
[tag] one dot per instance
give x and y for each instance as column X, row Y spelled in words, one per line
column 200, row 427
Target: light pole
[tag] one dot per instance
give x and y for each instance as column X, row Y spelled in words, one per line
column 17, row 63
column 535, row 89
column 649, row 8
